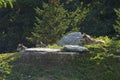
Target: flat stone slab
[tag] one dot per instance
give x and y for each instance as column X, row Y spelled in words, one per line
column 42, row 50
column 46, row 56
column 75, row 48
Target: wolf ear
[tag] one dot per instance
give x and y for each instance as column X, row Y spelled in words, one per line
column 20, row 44
column 84, row 34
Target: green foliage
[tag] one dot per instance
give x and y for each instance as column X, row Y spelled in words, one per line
column 50, row 23
column 5, row 67
column 104, row 38
column 84, row 66
column 76, row 17
column 114, row 47
column 110, row 46
column 95, row 17
column 99, row 48
column 16, row 25
column 100, row 66
column 117, row 26
column 53, row 21
column 54, row 46
column 101, row 58
column 103, row 54
column 5, row 3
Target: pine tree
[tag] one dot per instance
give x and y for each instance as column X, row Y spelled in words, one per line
column 117, row 26
column 50, row 22
column 76, row 17
column 5, row 3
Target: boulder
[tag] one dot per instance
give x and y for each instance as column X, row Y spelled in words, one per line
column 75, row 48
column 74, row 38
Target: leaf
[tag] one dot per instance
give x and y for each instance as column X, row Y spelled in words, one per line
column 11, row 5
column 5, row 4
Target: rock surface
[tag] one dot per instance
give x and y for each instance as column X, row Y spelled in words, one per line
column 71, row 39
column 42, row 50
column 75, row 48
column 46, row 56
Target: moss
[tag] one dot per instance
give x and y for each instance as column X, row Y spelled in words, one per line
column 54, row 46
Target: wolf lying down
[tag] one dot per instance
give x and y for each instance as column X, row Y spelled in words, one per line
column 88, row 40
column 21, row 47
column 85, row 40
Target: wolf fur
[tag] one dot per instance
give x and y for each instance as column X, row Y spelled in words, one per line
column 88, row 40
column 21, row 47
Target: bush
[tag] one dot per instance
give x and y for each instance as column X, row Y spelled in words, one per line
column 5, row 67
column 105, row 38
column 114, row 47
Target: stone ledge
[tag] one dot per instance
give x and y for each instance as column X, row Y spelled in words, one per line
column 42, row 50
column 46, row 56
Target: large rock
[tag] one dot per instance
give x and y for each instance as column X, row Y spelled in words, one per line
column 71, row 39
column 75, row 48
